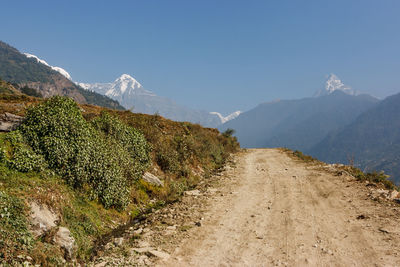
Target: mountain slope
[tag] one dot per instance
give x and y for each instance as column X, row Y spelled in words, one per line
column 132, row 95
column 299, row 124
column 372, row 140
column 16, row 67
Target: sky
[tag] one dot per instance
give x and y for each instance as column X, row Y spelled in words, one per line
column 215, row 55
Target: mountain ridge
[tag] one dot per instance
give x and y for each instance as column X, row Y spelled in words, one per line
column 31, row 72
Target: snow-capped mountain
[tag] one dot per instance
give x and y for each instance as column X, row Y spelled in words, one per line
column 132, row 95
column 333, row 83
column 226, row 118
column 121, row 89
column 58, row 69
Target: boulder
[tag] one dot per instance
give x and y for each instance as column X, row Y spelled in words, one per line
column 152, row 179
column 66, row 241
column 42, row 219
column 9, row 122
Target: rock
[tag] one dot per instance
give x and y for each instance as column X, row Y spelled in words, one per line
column 65, row 240
column 9, row 122
column 383, row 230
column 42, row 219
column 152, row 179
column 118, row 241
column 393, row 194
column 143, row 250
column 143, row 244
column 212, row 190
column 160, row 254
column 138, row 231
column 195, row 192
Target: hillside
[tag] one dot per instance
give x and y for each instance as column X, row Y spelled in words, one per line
column 71, row 176
column 17, row 68
column 297, row 124
column 372, row 141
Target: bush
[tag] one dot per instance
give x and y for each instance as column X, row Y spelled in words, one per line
column 22, row 158
column 83, row 156
column 125, row 139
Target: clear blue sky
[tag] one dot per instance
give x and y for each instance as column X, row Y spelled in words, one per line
column 215, row 55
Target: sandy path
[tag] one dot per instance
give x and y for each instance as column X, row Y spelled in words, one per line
column 283, row 211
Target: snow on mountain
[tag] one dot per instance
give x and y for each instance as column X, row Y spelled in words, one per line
column 333, row 83
column 226, row 118
column 123, row 87
column 58, row 69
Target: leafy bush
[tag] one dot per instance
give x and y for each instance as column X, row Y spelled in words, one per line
column 22, row 157
column 125, row 139
column 83, row 156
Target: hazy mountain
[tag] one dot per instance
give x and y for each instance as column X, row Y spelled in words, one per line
column 132, row 95
column 372, row 141
column 299, row 124
column 30, row 71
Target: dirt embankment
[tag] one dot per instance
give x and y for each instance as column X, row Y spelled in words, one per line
column 274, row 210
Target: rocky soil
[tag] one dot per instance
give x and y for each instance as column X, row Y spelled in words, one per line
column 267, row 209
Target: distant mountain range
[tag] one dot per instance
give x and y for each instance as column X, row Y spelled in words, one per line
column 300, row 124
column 132, row 95
column 29, row 71
column 371, row 141
column 337, row 125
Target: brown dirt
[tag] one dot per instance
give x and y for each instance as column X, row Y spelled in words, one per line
column 271, row 210
column 285, row 212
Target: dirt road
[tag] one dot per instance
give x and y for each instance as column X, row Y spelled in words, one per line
column 281, row 211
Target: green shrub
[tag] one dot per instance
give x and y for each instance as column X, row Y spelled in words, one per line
column 22, row 158
column 125, row 139
column 83, row 156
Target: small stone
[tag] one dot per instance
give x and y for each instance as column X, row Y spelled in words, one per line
column 160, row 254
column 195, row 192
column 198, row 224
column 383, row 230
column 143, row 250
column 118, row 241
column 143, row 244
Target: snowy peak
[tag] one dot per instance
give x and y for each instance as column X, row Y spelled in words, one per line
column 123, row 83
column 124, row 86
column 227, row 118
column 58, row 69
column 332, row 84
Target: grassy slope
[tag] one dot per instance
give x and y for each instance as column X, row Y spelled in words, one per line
column 181, row 151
